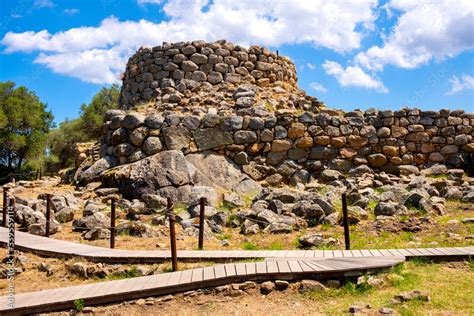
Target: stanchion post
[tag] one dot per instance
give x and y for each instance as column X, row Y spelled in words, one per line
column 40, row 174
column 201, row 223
column 174, row 255
column 48, row 214
column 345, row 218
column 5, row 206
column 112, row 223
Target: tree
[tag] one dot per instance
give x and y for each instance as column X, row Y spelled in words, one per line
column 92, row 115
column 24, row 123
column 86, row 128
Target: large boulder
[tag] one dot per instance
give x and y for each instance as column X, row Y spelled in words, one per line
column 171, row 174
column 164, row 169
column 219, row 172
column 93, row 173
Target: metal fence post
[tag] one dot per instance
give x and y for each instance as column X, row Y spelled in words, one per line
column 174, row 256
column 201, row 223
column 112, row 223
column 48, row 214
column 345, row 218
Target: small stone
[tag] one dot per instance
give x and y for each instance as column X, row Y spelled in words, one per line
column 311, row 285
column 281, row 285
column 267, row 287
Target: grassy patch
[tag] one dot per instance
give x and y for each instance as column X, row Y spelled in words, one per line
column 450, row 289
column 127, row 274
column 441, row 176
column 249, row 246
column 276, row 246
column 79, row 305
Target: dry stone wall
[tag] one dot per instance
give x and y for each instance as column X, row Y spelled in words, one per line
column 244, row 103
column 173, row 65
column 291, row 146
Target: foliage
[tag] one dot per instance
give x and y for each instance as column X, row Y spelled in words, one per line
column 249, row 246
column 86, row 128
column 24, row 123
column 79, row 304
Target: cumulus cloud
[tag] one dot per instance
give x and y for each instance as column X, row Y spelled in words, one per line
column 311, row 66
column 424, row 31
column 316, row 86
column 71, row 11
column 353, row 76
column 150, row 1
column 466, row 82
column 43, row 3
column 337, row 25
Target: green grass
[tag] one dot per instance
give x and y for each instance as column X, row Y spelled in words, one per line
column 79, row 304
column 249, row 246
column 224, row 236
column 450, row 289
column 179, row 208
column 127, row 274
column 225, row 206
column 276, row 246
column 442, row 176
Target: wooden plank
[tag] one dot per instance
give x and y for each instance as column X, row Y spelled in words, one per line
column 230, row 269
column 385, row 253
column 174, row 278
column 337, row 254
column 294, row 266
column 272, row 267
column 250, row 268
column 208, row 273
column 240, row 269
column 305, row 267
column 347, row 254
column 366, row 253
column 219, row 271
column 328, row 254
column 318, row 253
column 318, row 266
column 283, row 266
column 198, row 275
column 356, row 253
column 376, row 253
column 261, row 267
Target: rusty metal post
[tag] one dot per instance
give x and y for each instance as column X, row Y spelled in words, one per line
column 174, row 255
column 201, row 223
column 112, row 223
column 5, row 206
column 11, row 228
column 345, row 218
column 48, row 214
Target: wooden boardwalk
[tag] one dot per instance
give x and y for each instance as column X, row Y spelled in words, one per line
column 168, row 283
column 50, row 247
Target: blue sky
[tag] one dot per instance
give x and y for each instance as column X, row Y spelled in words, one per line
column 350, row 54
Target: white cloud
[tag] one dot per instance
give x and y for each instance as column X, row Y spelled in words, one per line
column 339, row 26
column 424, row 31
column 43, row 3
column 311, row 66
column 71, row 11
column 150, row 1
column 317, row 87
column 353, row 76
column 466, row 82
